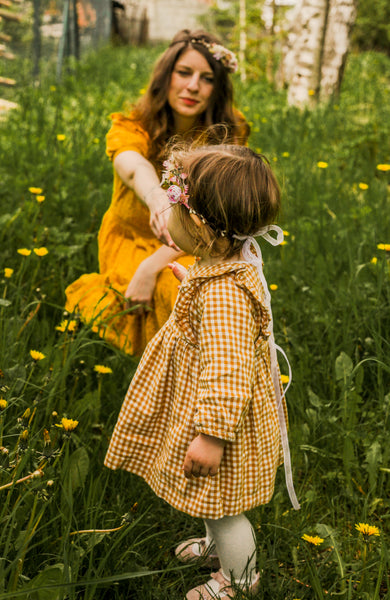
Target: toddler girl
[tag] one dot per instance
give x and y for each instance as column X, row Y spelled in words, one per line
column 203, row 421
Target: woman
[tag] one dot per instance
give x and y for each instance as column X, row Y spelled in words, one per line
column 134, row 293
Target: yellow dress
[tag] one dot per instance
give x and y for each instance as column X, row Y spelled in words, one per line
column 125, row 240
column 208, row 370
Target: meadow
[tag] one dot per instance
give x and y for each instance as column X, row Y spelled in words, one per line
column 71, row 529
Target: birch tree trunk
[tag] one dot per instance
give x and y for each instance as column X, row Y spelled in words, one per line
column 341, row 17
column 317, row 48
column 243, row 40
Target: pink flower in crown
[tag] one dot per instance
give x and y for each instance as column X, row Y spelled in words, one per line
column 178, row 195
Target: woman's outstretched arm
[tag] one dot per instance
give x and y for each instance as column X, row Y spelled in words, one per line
column 138, row 174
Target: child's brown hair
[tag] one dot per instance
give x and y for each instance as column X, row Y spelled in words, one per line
column 233, row 189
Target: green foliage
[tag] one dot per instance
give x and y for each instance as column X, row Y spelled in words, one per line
column 71, row 529
column 372, row 27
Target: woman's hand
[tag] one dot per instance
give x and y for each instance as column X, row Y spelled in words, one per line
column 141, row 287
column 159, row 206
column 203, row 456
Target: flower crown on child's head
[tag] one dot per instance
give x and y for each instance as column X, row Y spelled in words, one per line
column 173, row 181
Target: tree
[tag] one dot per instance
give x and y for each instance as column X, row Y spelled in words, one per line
column 317, row 47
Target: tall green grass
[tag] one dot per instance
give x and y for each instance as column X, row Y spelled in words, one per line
column 76, row 530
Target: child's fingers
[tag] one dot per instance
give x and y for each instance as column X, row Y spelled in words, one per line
column 178, row 270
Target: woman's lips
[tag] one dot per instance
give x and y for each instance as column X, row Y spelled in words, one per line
column 190, row 101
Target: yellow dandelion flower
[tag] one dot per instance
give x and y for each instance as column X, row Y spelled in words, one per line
column 312, row 539
column 258, row 150
column 96, row 140
column 8, row 272
column 54, row 413
column 263, row 120
column 284, row 378
column 61, row 137
column 273, row 287
column 311, row 92
column 53, row 88
column 3, row 403
column 67, row 325
column 41, row 251
column 256, row 129
column 383, row 167
column 286, row 233
column 367, row 529
column 142, row 91
column 284, row 243
column 34, row 190
column 363, row 186
column 275, row 158
column 384, row 247
column 102, row 370
column 68, row 424
column 24, row 251
column 322, row 165
column 24, row 435
column 40, row 199
column 374, row 260
column 285, row 154
column 36, row 355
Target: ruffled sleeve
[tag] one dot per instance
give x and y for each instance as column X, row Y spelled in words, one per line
column 126, row 134
column 227, row 353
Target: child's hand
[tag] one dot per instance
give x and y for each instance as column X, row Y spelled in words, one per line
column 178, row 270
column 203, row 456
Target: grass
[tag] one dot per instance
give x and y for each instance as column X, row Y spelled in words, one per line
column 76, row 530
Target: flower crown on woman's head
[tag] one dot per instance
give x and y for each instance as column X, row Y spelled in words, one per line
column 217, row 51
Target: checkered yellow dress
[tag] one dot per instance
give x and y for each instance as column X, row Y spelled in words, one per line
column 206, row 371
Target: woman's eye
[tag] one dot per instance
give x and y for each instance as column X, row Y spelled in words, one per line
column 183, row 73
column 208, row 79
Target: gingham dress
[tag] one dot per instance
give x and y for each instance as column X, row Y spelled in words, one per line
column 206, row 371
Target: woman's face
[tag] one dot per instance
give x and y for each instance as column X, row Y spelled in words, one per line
column 190, row 89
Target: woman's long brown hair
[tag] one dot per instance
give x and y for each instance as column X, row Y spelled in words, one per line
column 154, row 112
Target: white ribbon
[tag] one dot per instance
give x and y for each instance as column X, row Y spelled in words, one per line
column 255, row 258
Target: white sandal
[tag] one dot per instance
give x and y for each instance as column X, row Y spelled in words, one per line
column 220, row 588
column 196, row 550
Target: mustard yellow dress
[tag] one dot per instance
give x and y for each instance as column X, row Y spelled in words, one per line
column 208, row 370
column 125, row 240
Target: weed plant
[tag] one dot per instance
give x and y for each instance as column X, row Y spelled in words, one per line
column 70, row 528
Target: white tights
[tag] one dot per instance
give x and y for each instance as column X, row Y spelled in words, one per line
column 234, row 541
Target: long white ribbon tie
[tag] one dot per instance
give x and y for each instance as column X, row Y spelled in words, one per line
column 251, row 253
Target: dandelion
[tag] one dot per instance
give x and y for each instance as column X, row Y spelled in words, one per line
column 36, row 355
column 68, row 424
column 374, row 260
column 96, row 140
column 8, row 272
column 384, row 247
column 322, row 165
column 67, row 325
column 312, row 539
column 275, row 159
column 35, row 190
column 142, row 91
column 61, row 137
column 42, row 251
column 3, row 403
column 102, row 370
column 286, row 233
column 363, row 186
column 284, row 378
column 263, row 120
column 383, row 167
column 24, row 251
column 40, row 199
column 273, row 287
column 285, row 154
column 367, row 529
column 284, row 243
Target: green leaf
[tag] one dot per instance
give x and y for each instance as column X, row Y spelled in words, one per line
column 344, row 367
column 78, row 468
column 49, row 577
